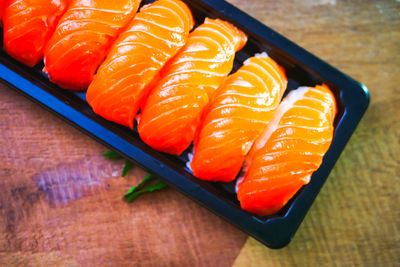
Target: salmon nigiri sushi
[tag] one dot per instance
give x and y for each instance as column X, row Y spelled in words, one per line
column 173, row 110
column 123, row 81
column 82, row 39
column 27, row 27
column 289, row 151
column 242, row 108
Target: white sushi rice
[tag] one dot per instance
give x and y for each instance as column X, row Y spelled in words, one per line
column 238, row 181
column 262, row 54
column 190, row 158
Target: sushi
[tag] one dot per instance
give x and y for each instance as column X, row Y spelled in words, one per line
column 27, row 27
column 242, row 108
column 174, row 108
column 289, row 151
column 82, row 39
column 124, row 79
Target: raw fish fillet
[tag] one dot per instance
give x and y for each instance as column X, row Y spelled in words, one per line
column 173, row 111
column 289, row 151
column 82, row 39
column 124, row 79
column 27, row 27
column 242, row 108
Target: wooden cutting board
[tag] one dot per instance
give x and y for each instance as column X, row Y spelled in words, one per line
column 355, row 220
column 60, row 200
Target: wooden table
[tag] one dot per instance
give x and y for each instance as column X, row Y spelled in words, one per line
column 60, row 200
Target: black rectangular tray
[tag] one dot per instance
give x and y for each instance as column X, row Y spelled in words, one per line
column 302, row 69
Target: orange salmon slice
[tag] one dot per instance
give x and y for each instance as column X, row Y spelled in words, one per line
column 125, row 78
column 289, row 151
column 242, row 108
column 174, row 108
column 28, row 26
column 82, row 39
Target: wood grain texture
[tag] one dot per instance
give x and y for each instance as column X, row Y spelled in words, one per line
column 355, row 220
column 60, row 201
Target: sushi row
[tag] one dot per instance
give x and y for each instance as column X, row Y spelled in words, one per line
column 177, row 77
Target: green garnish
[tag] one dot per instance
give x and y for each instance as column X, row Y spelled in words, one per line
column 158, row 186
column 111, row 155
column 128, row 166
column 136, row 191
column 135, row 188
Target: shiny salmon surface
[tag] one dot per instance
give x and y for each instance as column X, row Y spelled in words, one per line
column 82, row 39
column 289, row 151
column 173, row 111
column 242, row 108
column 124, row 79
column 28, row 25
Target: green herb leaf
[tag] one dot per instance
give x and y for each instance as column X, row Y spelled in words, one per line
column 135, row 188
column 128, row 166
column 158, row 186
column 111, row 155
